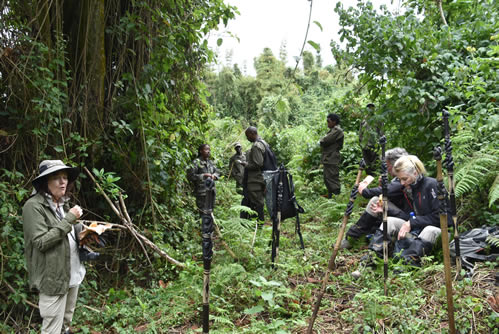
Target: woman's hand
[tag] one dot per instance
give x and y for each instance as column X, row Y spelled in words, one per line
column 406, row 228
column 362, row 186
column 377, row 207
column 77, row 211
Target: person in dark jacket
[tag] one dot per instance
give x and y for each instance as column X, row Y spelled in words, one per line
column 420, row 195
column 51, row 245
column 368, row 223
column 200, row 171
column 331, row 144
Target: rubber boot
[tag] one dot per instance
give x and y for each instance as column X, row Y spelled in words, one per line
column 366, row 224
column 417, row 249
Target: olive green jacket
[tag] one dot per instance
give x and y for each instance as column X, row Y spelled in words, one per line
column 331, row 144
column 236, row 168
column 46, row 245
column 255, row 164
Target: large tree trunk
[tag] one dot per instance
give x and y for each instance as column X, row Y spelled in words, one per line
column 85, row 26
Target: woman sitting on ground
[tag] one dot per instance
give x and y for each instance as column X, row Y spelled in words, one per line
column 420, row 195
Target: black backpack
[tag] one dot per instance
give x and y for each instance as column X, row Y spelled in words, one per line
column 269, row 159
column 289, row 206
column 478, row 244
column 284, row 202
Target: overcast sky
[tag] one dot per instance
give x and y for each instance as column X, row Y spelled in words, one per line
column 269, row 23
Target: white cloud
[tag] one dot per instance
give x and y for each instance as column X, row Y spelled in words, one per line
column 269, row 23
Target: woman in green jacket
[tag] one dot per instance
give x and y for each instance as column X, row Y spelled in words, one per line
column 51, row 245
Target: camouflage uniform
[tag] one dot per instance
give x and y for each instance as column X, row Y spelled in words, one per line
column 331, row 144
column 237, row 170
column 195, row 175
column 254, row 182
column 368, row 141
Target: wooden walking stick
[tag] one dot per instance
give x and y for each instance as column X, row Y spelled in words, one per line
column 449, row 165
column 445, row 238
column 384, row 187
column 332, row 265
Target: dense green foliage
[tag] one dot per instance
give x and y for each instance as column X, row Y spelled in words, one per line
column 114, row 86
column 415, row 66
column 135, row 111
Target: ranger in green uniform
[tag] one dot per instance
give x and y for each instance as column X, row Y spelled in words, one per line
column 331, row 144
column 201, row 169
column 368, row 139
column 236, row 167
column 253, row 179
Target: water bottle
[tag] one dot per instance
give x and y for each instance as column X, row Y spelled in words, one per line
column 412, row 217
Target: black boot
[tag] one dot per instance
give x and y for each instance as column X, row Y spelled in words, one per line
column 366, row 224
column 414, row 249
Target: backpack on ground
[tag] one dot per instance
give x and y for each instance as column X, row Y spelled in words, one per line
column 478, row 244
column 284, row 205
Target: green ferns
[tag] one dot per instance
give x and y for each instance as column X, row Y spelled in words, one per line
column 494, row 191
column 476, row 172
column 493, row 240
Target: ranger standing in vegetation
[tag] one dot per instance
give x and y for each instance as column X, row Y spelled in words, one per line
column 368, row 223
column 202, row 168
column 236, row 167
column 331, row 144
column 260, row 158
column 368, row 138
column 51, row 245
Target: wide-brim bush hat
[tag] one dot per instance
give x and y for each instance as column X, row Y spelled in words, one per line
column 237, row 144
column 48, row 167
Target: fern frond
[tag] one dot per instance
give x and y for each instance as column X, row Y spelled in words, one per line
column 241, row 208
column 461, row 141
column 494, row 191
column 463, row 138
column 474, row 172
column 236, row 227
column 492, row 240
column 222, row 320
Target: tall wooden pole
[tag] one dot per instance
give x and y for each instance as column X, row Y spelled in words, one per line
column 332, row 265
column 445, row 239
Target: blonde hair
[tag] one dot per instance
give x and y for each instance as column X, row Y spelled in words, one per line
column 409, row 164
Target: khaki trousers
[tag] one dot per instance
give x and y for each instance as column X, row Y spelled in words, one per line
column 429, row 233
column 57, row 311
